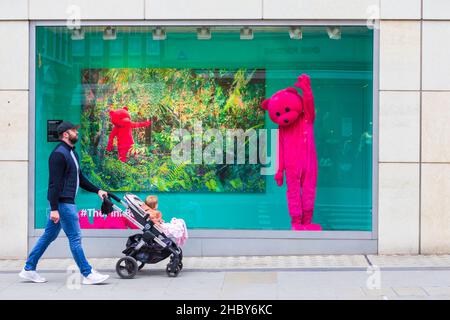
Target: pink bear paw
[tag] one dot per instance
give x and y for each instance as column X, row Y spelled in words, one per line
column 279, row 178
column 303, row 81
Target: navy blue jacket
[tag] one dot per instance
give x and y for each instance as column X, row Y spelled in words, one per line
column 65, row 176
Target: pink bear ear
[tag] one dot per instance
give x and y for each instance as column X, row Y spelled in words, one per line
column 126, row 108
column 265, row 104
column 293, row 90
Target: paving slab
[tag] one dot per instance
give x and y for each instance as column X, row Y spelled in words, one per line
column 410, row 261
column 437, row 291
column 410, row 291
column 212, row 263
column 244, row 278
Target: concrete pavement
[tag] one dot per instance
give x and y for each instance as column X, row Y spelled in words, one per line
column 244, row 278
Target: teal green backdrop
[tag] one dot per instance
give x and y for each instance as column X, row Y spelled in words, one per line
column 342, row 81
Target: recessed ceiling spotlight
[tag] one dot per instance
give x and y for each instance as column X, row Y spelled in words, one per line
column 77, row 34
column 159, row 34
column 334, row 33
column 246, row 33
column 203, row 33
column 109, row 33
column 295, row 33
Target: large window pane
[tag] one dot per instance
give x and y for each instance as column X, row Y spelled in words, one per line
column 177, row 80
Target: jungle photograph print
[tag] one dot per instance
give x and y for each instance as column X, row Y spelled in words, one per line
column 129, row 115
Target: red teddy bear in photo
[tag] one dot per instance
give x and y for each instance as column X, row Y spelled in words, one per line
column 123, row 126
column 295, row 115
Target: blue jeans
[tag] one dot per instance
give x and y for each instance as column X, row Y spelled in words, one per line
column 69, row 221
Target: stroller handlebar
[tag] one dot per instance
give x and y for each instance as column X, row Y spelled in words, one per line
column 114, row 196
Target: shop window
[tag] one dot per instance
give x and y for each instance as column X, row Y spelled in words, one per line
column 180, row 81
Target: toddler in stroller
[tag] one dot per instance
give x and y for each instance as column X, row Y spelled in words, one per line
column 151, row 246
column 175, row 229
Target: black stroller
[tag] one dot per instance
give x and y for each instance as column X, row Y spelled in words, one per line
column 150, row 246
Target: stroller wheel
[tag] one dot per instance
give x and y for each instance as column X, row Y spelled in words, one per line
column 141, row 266
column 172, row 270
column 126, row 267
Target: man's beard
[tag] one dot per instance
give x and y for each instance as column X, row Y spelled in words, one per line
column 73, row 139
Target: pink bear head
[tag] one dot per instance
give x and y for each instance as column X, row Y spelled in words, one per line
column 284, row 107
column 120, row 117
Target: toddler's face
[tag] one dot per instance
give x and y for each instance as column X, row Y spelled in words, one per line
column 145, row 207
column 155, row 217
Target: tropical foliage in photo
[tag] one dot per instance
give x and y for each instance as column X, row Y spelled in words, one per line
column 173, row 99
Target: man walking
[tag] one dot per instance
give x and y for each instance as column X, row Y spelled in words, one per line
column 65, row 177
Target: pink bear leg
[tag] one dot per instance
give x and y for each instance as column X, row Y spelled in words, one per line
column 293, row 199
column 309, row 183
column 123, row 153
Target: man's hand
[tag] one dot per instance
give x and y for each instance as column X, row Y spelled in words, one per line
column 102, row 193
column 54, row 216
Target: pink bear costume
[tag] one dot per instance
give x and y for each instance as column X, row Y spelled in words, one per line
column 123, row 126
column 295, row 115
